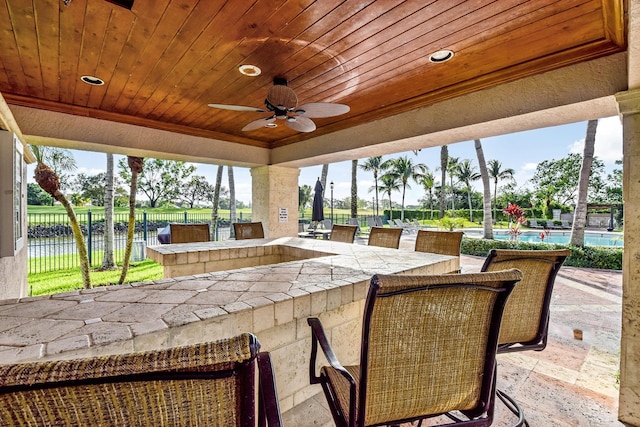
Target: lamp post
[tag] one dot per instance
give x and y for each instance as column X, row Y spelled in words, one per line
column 331, row 185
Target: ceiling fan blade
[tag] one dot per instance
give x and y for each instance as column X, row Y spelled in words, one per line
column 301, row 124
column 237, row 108
column 257, row 124
column 316, row 110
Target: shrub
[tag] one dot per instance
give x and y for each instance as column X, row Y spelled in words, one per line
column 587, row 257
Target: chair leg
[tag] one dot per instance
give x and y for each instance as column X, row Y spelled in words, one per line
column 513, row 407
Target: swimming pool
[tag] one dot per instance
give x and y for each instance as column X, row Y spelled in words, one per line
column 591, row 238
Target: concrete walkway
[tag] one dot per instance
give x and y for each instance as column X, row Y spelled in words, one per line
column 573, row 382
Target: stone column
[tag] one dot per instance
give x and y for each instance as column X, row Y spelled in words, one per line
column 275, row 200
column 629, row 403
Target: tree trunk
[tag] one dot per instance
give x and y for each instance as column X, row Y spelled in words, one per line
column 580, row 214
column 444, row 160
column 486, row 193
column 404, row 187
column 49, row 181
column 375, row 179
column 323, row 178
column 232, row 197
column 108, row 260
column 216, row 202
column 354, row 188
column 135, row 163
column 79, row 238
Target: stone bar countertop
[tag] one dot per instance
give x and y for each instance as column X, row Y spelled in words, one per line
column 210, row 289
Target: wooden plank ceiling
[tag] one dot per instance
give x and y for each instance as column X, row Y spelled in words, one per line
column 163, row 61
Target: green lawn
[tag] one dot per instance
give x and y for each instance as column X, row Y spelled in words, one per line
column 54, row 282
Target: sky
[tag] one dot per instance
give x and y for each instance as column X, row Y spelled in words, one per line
column 520, row 151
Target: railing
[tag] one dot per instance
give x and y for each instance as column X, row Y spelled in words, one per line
column 51, row 245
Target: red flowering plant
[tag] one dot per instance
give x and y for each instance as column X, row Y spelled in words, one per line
column 516, row 219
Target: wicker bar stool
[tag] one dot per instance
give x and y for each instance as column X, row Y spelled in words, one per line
column 386, row 237
column 526, row 315
column 248, row 230
column 343, row 233
column 202, row 384
column 437, row 355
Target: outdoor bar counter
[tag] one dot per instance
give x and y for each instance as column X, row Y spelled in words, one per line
column 214, row 290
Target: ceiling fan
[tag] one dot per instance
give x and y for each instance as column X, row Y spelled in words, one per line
column 283, row 103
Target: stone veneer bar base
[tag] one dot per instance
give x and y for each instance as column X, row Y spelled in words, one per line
column 325, row 279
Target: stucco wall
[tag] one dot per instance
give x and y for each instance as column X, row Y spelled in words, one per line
column 13, row 269
column 13, row 276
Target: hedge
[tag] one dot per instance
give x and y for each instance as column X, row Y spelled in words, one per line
column 587, row 257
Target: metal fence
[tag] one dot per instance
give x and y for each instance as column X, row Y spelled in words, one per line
column 51, row 245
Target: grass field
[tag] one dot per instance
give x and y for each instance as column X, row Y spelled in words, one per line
column 69, row 280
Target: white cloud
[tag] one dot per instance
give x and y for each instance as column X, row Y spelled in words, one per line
column 608, row 146
column 89, row 172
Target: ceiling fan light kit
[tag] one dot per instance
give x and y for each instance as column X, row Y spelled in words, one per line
column 282, row 102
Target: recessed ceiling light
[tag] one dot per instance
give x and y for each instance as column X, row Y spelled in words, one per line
column 441, row 56
column 90, row 80
column 249, row 70
column 271, row 125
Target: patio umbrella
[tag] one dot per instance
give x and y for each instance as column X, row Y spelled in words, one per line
column 317, row 209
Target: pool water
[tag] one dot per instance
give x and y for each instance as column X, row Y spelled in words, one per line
column 591, row 238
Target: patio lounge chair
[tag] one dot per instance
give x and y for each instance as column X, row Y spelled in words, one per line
column 534, row 224
column 566, row 225
column 404, row 226
column 436, row 356
column 343, row 233
column 386, row 237
column 354, row 221
column 200, row 384
column 526, row 315
column 187, row 233
column 248, row 230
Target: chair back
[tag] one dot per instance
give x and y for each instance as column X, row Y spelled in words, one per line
column 248, row 230
column 386, row 237
column 203, row 384
column 526, row 316
column 429, row 345
column 187, row 233
column 439, row 242
column 343, row 233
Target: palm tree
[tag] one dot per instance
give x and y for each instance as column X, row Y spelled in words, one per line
column 49, row 181
column 354, row 188
column 108, row 260
column 216, row 201
column 466, row 173
column 452, row 165
column 136, row 164
column 373, row 165
column 389, row 184
column 580, row 214
column 428, row 182
column 444, row 160
column 486, row 191
column 232, row 197
column 404, row 170
column 497, row 173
